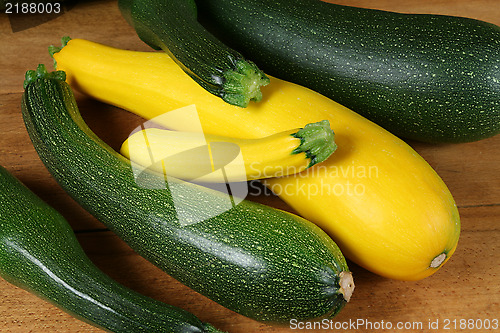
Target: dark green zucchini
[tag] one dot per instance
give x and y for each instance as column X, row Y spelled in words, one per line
column 40, row 253
column 261, row 262
column 172, row 26
column 431, row 78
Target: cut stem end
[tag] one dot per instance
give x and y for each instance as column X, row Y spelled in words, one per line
column 242, row 84
column 438, row 260
column 346, row 285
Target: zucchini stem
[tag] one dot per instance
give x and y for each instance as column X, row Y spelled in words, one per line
column 242, row 84
column 54, row 49
column 317, row 140
column 42, row 73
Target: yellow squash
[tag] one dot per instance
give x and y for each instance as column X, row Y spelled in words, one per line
column 215, row 158
column 376, row 197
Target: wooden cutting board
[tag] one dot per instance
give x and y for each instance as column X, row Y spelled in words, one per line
column 460, row 297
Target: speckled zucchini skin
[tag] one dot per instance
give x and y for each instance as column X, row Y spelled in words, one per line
column 261, row 262
column 40, row 253
column 430, row 78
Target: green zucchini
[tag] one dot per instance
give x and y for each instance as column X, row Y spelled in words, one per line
column 432, row 78
column 172, row 26
column 40, row 253
column 261, row 262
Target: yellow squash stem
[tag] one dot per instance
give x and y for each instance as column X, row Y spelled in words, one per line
column 213, row 158
column 376, row 197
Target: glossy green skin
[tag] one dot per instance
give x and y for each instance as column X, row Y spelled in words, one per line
column 261, row 262
column 40, row 253
column 424, row 77
column 173, row 27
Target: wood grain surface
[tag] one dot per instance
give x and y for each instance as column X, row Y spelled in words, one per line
column 466, row 288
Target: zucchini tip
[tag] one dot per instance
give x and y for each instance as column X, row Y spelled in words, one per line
column 346, row 285
column 438, row 260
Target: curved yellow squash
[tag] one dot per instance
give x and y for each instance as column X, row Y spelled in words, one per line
column 375, row 196
column 195, row 156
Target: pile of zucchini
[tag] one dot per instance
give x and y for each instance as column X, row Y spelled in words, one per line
column 264, row 263
column 424, row 77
